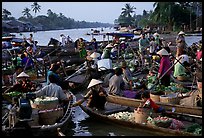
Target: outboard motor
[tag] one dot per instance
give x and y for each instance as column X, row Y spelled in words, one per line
column 25, row 109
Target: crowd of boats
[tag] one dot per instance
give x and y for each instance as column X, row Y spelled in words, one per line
column 182, row 99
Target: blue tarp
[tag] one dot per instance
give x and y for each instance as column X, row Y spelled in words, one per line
column 121, row 34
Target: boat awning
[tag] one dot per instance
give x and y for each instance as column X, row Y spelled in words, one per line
column 121, row 34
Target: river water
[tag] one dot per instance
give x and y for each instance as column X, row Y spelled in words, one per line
column 82, row 124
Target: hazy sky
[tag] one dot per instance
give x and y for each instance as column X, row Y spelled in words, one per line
column 105, row 12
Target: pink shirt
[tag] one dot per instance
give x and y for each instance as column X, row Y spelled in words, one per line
column 199, row 55
column 165, row 64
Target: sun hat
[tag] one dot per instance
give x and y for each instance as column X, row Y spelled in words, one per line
column 163, row 52
column 109, row 46
column 155, row 34
column 94, row 82
column 23, row 75
column 115, row 45
column 95, row 55
column 122, row 42
column 181, row 33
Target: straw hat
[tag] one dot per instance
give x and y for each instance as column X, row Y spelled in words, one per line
column 95, row 55
column 23, row 75
column 115, row 45
column 156, row 34
column 109, row 46
column 163, row 52
column 181, row 33
column 94, row 82
column 122, row 42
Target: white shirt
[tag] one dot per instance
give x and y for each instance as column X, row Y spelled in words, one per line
column 52, row 90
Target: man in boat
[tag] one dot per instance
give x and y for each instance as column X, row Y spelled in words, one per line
column 180, row 43
column 127, row 76
column 143, row 45
column 116, row 83
column 94, row 44
column 53, row 70
column 149, row 103
column 53, row 90
column 62, row 40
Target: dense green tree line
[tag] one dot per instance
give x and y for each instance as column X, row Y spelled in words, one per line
column 52, row 20
column 172, row 15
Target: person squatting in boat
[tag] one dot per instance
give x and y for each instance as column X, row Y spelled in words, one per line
column 149, row 103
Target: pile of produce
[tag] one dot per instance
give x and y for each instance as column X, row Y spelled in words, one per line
column 160, row 121
column 10, row 95
column 13, row 94
column 127, row 116
column 45, row 100
column 195, row 129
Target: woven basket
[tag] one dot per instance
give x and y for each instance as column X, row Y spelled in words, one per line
column 141, row 116
column 170, row 100
column 155, row 98
column 44, row 106
column 182, row 78
column 49, row 117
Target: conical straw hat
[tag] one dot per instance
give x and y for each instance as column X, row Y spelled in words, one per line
column 163, row 52
column 95, row 55
column 23, row 74
column 109, row 46
column 94, row 82
column 181, row 33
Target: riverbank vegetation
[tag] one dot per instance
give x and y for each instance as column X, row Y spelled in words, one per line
column 171, row 16
column 167, row 16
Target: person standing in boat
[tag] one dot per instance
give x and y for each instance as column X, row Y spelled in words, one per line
column 180, row 43
column 143, row 44
column 62, row 40
column 53, row 70
column 107, row 52
column 94, row 44
column 32, row 43
column 81, row 47
column 127, row 76
column 116, row 83
column 165, row 64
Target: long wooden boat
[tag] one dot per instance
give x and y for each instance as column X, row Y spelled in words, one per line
column 135, row 103
column 111, row 108
column 26, row 125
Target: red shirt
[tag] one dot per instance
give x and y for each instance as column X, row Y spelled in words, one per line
column 151, row 104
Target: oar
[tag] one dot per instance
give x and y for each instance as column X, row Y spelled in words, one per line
column 79, row 102
column 157, row 80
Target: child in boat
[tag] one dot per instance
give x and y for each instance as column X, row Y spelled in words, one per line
column 149, row 103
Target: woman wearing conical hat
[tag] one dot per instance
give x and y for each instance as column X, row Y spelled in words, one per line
column 165, row 64
column 96, row 95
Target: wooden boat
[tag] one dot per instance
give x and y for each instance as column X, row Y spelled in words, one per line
column 27, row 125
column 135, row 103
column 112, row 107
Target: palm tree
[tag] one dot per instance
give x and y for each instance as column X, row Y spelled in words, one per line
column 126, row 18
column 5, row 14
column 127, row 10
column 26, row 12
column 35, row 7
